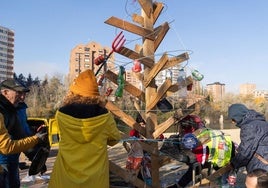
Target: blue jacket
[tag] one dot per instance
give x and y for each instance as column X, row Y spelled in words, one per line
column 21, row 111
column 253, row 136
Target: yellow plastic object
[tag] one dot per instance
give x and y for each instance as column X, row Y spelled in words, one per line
column 54, row 133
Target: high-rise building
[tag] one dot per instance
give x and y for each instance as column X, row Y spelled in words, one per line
column 247, row 89
column 6, row 53
column 82, row 58
column 216, row 90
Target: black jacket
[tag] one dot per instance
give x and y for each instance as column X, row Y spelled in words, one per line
column 253, row 135
column 12, row 122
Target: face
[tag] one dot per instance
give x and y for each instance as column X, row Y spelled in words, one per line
column 14, row 97
column 251, row 182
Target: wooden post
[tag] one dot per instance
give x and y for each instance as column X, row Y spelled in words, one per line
column 152, row 37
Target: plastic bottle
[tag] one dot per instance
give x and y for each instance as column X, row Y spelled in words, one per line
column 232, row 178
column 120, row 82
column 182, row 84
column 197, row 75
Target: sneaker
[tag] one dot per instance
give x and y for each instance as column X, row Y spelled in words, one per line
column 42, row 177
column 28, row 179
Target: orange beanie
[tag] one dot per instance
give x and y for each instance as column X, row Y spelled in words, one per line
column 85, row 84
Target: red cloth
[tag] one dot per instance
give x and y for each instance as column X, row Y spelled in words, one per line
column 201, row 153
column 134, row 132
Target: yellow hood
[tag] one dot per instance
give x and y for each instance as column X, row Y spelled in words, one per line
column 82, row 159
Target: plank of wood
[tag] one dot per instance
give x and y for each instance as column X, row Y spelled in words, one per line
column 134, row 55
column 155, row 70
column 125, row 117
column 176, row 60
column 138, row 19
column 126, row 175
column 125, row 25
column 163, row 29
column 161, row 91
column 220, row 172
column 147, row 7
column 157, row 9
column 128, row 86
column 175, row 87
column 163, row 127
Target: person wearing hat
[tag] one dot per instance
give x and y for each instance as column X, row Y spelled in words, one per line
column 252, row 151
column 11, row 132
column 86, row 128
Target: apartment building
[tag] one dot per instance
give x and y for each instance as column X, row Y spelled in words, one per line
column 82, row 58
column 247, row 89
column 6, row 53
column 216, row 90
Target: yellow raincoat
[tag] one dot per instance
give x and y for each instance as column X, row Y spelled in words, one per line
column 82, row 160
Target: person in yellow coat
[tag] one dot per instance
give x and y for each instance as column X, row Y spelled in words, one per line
column 86, row 128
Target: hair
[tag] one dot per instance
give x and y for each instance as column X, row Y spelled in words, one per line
column 263, row 180
column 72, row 98
column 257, row 173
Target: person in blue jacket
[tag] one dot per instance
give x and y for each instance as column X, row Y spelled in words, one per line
column 252, row 151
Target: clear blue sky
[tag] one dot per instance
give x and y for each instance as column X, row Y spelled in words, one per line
column 227, row 39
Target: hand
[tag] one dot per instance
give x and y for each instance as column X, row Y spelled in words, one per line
column 41, row 136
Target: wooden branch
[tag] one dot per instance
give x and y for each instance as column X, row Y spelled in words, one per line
column 126, row 175
column 125, row 25
column 178, row 115
column 163, row 127
column 134, row 55
column 125, row 117
column 175, row 87
column 138, row 19
column 157, row 9
column 160, row 93
column 128, row 87
column 147, row 7
column 155, row 70
column 161, row 34
column 176, row 60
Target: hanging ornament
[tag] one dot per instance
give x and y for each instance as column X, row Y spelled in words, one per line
column 108, row 91
column 100, row 81
column 137, row 66
column 182, row 83
column 99, row 60
column 168, row 74
column 120, row 82
column 197, row 75
column 190, row 87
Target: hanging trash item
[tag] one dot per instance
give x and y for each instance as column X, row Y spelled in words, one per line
column 99, row 60
column 100, row 81
column 108, row 91
column 137, row 66
column 168, row 74
column 164, row 105
column 117, row 44
column 120, row 82
column 189, row 87
column 197, row 75
column 182, row 83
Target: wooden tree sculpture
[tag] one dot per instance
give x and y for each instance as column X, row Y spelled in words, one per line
column 152, row 37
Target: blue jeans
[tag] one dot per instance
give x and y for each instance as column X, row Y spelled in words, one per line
column 10, row 178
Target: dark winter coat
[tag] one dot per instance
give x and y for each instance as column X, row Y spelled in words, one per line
column 253, row 136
